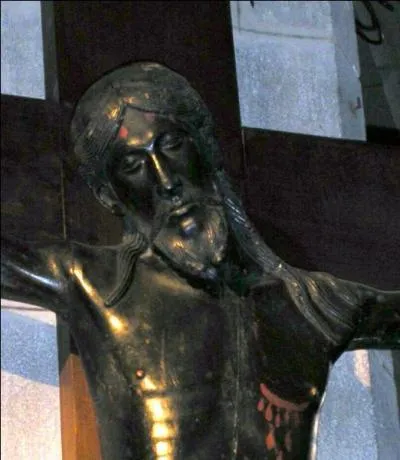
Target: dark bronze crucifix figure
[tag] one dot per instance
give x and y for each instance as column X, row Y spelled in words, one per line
column 197, row 340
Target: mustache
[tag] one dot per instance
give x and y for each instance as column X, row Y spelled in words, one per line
column 165, row 209
column 201, row 253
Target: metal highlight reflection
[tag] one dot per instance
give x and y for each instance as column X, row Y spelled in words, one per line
column 117, row 324
column 163, row 433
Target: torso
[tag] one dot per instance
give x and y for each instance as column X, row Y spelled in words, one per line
column 177, row 373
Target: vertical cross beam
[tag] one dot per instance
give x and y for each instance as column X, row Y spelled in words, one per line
column 91, row 38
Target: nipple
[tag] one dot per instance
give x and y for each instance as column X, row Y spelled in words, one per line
column 140, row 374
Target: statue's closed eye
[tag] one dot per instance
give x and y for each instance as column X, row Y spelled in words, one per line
column 131, row 164
column 172, row 141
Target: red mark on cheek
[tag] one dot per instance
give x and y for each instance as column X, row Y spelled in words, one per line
column 123, row 133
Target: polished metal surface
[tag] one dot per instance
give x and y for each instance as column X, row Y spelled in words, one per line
column 197, row 340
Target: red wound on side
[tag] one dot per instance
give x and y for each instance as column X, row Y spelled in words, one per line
column 279, row 456
column 288, row 441
column 268, row 413
column 270, row 441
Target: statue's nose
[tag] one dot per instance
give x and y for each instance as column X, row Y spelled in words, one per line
column 168, row 182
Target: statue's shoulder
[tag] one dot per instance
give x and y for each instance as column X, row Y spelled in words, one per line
column 107, row 268
column 259, row 282
column 104, row 258
column 101, row 254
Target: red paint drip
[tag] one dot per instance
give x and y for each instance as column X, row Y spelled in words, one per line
column 279, row 456
column 268, row 413
column 287, row 414
column 296, row 417
column 270, row 441
column 278, row 420
column 287, row 417
column 288, row 441
column 282, row 403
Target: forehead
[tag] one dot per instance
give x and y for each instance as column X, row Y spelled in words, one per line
column 141, row 128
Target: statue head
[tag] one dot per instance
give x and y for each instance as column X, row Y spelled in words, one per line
column 144, row 141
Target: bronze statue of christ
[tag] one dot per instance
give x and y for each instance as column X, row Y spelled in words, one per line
column 198, row 342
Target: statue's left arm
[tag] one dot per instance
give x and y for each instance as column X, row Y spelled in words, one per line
column 379, row 322
column 348, row 313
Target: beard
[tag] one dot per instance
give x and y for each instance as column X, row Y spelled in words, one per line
column 194, row 243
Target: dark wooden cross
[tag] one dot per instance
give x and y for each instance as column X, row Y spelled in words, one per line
column 321, row 204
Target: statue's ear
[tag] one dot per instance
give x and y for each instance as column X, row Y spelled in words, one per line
column 106, row 196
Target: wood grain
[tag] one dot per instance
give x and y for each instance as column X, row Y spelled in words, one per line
column 30, row 169
column 79, row 433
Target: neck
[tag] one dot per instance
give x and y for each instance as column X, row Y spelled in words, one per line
column 133, row 245
column 232, row 271
column 134, row 225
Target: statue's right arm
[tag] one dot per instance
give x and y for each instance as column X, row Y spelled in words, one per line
column 35, row 274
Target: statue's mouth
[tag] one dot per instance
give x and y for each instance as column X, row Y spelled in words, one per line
column 188, row 218
column 193, row 235
column 184, row 209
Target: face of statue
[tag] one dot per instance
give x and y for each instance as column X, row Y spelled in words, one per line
column 155, row 168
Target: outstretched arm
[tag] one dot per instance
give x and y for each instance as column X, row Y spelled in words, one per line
column 346, row 312
column 34, row 274
column 379, row 326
